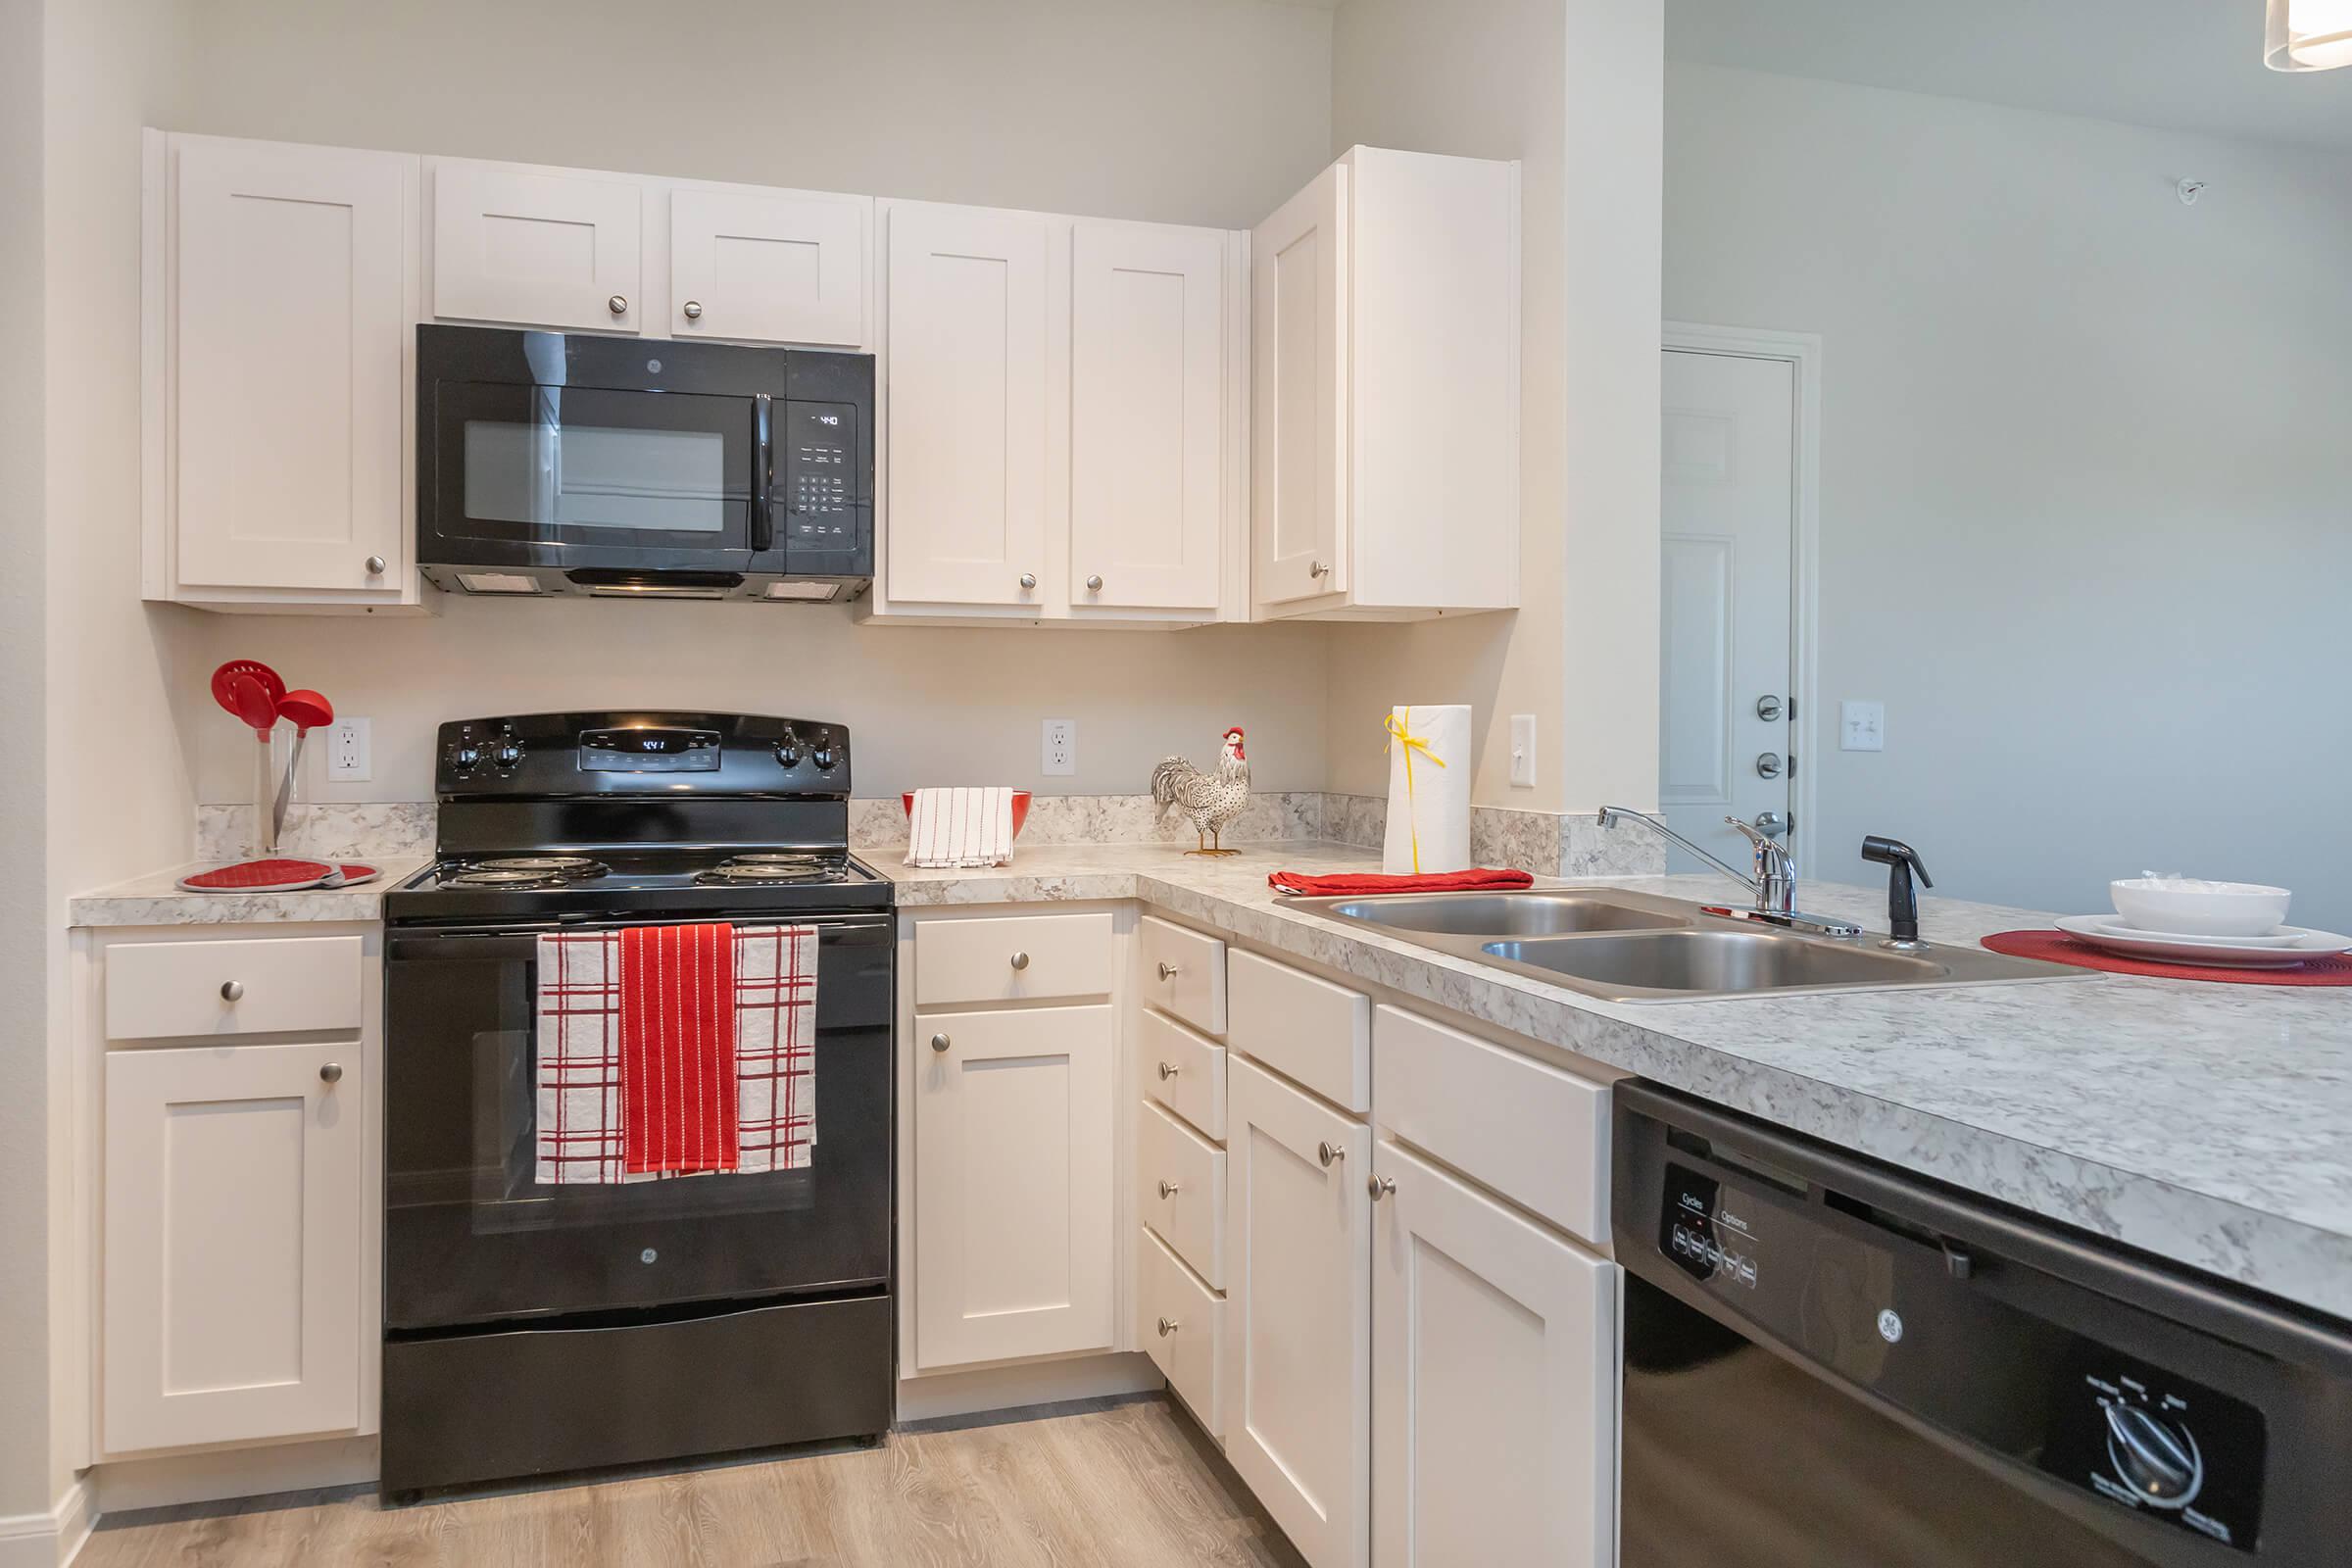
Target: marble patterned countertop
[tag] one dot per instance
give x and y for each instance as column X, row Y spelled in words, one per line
column 2208, row 1124
column 160, row 900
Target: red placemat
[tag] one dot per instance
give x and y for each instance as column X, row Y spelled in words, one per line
column 258, row 876
column 2056, row 947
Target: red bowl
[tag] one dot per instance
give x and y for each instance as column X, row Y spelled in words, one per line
column 1020, row 808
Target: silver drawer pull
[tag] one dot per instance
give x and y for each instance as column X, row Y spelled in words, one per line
column 1167, row 971
column 1168, row 1071
column 1317, row 568
column 1168, row 1326
column 693, row 310
column 619, row 305
column 1168, row 1189
column 374, row 565
column 1329, row 1153
column 938, row 1042
column 1020, row 960
column 1028, row 580
column 231, row 989
column 332, row 1074
column 1381, row 1187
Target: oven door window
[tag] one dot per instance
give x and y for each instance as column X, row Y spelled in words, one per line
column 580, row 465
column 471, row 1235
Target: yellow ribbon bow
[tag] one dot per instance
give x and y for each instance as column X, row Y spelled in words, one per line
column 1400, row 733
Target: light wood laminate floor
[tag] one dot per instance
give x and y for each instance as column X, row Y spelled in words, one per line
column 1132, row 1485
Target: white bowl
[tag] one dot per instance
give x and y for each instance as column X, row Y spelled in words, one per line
column 2185, row 905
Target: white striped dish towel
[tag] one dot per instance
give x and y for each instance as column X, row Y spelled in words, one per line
column 961, row 828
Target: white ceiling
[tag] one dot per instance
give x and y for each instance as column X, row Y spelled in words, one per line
column 2187, row 65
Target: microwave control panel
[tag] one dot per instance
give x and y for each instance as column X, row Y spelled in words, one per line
column 823, row 495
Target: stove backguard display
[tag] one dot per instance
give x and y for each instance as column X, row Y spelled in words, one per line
column 648, row 750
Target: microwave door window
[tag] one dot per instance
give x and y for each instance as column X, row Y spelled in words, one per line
column 556, row 477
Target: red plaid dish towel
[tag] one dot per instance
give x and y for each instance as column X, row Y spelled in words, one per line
column 584, row 998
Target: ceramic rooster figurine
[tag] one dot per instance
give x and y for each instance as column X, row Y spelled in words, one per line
column 1210, row 799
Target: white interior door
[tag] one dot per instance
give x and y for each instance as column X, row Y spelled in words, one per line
column 1724, row 621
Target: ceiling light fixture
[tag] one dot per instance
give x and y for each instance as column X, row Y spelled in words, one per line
column 2308, row 35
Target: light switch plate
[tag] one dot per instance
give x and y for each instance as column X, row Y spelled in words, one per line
column 1523, row 751
column 347, row 759
column 1862, row 726
column 1062, row 748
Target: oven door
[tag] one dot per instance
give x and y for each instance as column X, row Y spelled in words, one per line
column 592, row 479
column 471, row 1237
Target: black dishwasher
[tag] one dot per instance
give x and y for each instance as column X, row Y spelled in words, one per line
column 1832, row 1365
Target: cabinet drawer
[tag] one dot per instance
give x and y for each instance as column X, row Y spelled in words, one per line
column 1180, row 1190
column 1180, row 1322
column 166, row 990
column 1532, row 1132
column 1018, row 958
column 1183, row 972
column 1305, row 1028
column 1183, row 1071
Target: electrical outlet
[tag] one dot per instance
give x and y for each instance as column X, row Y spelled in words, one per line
column 1862, row 726
column 1062, row 748
column 347, row 750
column 1523, row 751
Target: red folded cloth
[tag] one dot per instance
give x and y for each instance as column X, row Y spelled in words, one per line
column 677, row 1049
column 1476, row 879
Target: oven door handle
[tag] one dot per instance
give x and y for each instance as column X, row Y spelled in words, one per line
column 764, row 473
column 521, row 941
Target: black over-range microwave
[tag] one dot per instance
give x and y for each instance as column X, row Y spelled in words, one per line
column 553, row 463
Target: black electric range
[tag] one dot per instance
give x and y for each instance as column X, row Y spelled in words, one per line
column 533, row 1329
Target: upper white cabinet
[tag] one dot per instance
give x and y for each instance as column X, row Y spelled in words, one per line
column 537, row 247
column 280, row 286
column 1147, row 410
column 974, row 425
column 1385, row 300
column 768, row 266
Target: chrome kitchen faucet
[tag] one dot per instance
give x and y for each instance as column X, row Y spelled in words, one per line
column 1773, row 881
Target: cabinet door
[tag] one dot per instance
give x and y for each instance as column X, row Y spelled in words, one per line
column 1298, row 1318
column 291, row 303
column 968, row 360
column 768, row 266
column 1013, row 1176
column 1146, row 415
column 536, row 247
column 1298, row 326
column 232, row 1244
column 1493, row 1382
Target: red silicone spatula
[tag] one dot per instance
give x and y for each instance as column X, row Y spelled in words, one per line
column 308, row 711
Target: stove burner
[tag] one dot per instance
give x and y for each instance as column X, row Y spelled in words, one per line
column 564, row 866
column 768, row 868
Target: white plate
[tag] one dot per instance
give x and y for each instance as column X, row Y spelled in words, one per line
column 2221, row 952
column 2285, row 936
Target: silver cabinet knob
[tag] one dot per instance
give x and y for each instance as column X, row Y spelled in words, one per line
column 1168, row 1071
column 1168, row 1326
column 1167, row 971
column 1028, row 580
column 1020, row 960
column 1168, row 1189
column 619, row 305
column 938, row 1043
column 332, row 1074
column 1318, row 569
column 1094, row 584
column 374, row 565
column 1381, row 1187
column 693, row 310
column 1330, row 1153
column 231, row 989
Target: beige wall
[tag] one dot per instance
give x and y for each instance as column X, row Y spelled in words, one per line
column 1571, row 90
column 1210, row 112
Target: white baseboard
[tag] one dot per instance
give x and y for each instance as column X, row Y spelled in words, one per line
column 940, row 1394
column 127, row 1485
column 48, row 1539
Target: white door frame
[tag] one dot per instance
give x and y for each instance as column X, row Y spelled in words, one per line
column 1807, row 731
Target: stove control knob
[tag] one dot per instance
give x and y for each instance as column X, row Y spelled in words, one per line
column 468, row 756
column 506, row 753
column 824, row 756
column 2155, row 1458
column 788, row 749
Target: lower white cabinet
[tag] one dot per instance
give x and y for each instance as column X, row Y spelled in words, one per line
column 1493, row 1381
column 1013, row 1246
column 233, row 1196
column 1299, row 1315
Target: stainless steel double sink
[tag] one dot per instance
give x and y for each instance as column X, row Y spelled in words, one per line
column 1633, row 947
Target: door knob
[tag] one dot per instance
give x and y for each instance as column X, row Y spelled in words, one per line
column 619, row 305
column 332, row 1074
column 1168, row 1071
column 1768, row 708
column 1327, row 1154
column 1767, row 764
column 693, row 310
column 374, row 565
column 1381, row 1187
column 938, row 1043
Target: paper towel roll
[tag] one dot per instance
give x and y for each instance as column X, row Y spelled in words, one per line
column 1429, row 790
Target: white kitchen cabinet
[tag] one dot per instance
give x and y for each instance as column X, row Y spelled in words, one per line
column 1297, row 1393
column 1013, row 1247
column 1148, row 402
column 234, row 1234
column 1385, row 331
column 770, row 265
column 973, row 425
column 1493, row 1381
column 536, row 247
column 280, row 282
